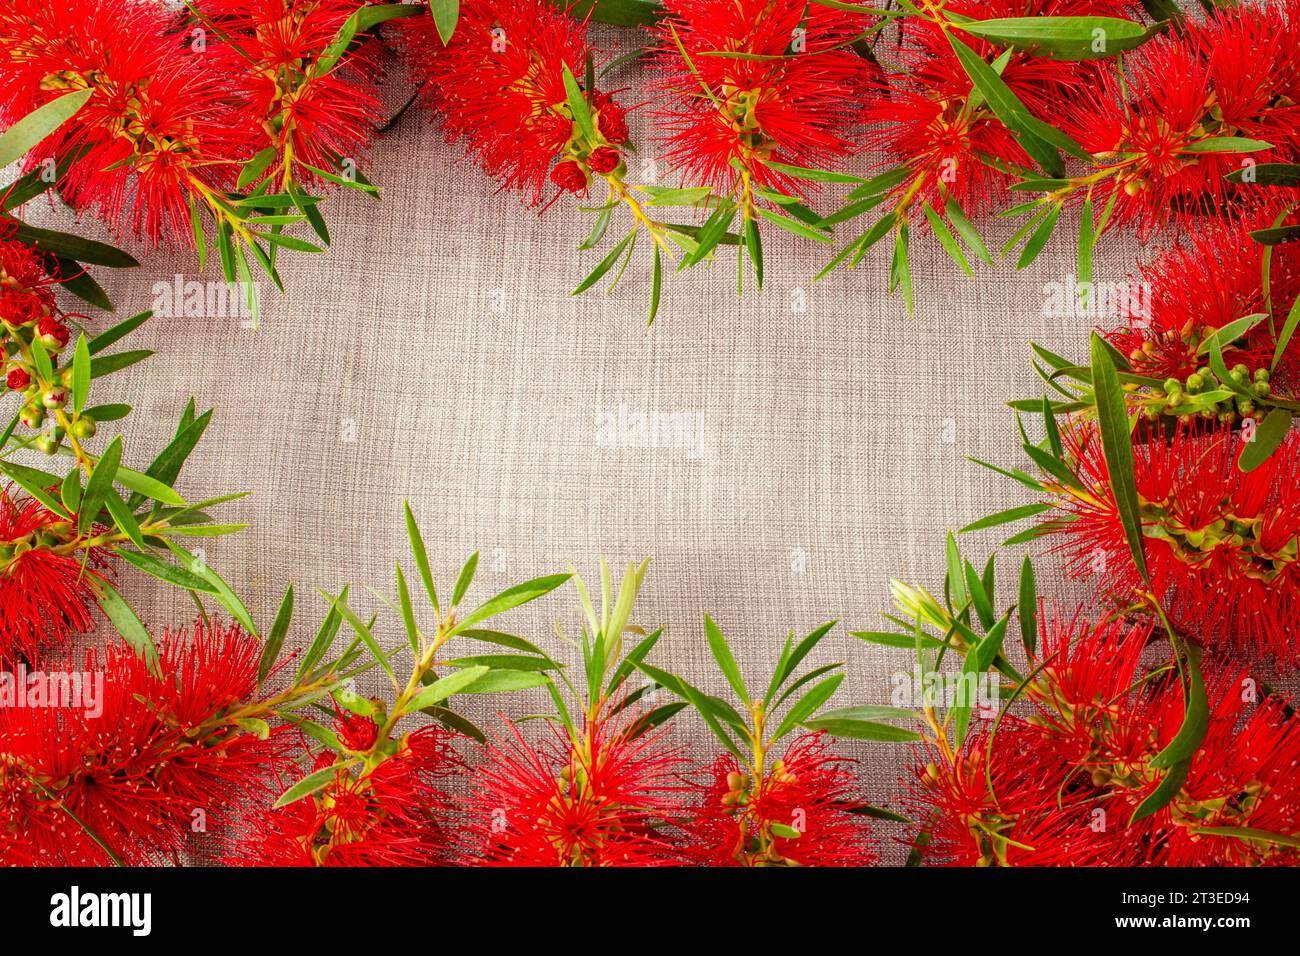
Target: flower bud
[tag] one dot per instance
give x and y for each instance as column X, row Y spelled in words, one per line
column 54, row 398
column 569, row 176
column 84, row 427
column 18, row 379
column 604, row 160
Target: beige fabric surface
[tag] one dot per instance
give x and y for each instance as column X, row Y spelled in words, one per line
column 434, row 354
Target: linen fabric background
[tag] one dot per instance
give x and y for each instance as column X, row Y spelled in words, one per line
column 434, row 353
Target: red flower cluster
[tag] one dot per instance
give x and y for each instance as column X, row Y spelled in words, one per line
column 1236, row 75
column 1220, row 544
column 759, row 82
column 134, row 764
column 182, row 102
column 1065, row 784
column 615, row 801
column 800, row 813
column 155, row 128
column 1195, row 289
column 924, row 119
column 392, row 814
column 499, row 86
column 282, row 95
column 45, row 592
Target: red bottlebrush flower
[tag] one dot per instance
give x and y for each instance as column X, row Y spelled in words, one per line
column 26, row 289
column 1037, row 814
column 393, row 815
column 1233, row 76
column 155, row 130
column 611, row 119
column 552, row 805
column 1220, row 544
column 499, row 86
column 922, row 120
column 800, row 813
column 355, row 731
column 45, row 595
column 272, row 49
column 18, row 379
column 1065, row 783
column 144, row 761
column 1193, row 290
column 790, row 99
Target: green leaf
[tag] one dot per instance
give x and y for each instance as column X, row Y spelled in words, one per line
column 604, row 266
column 1269, row 435
column 854, row 729
column 947, row 239
column 1284, row 337
column 421, row 556
column 408, row 612
column 166, row 571
column 363, row 20
column 99, row 484
column 1196, row 718
column 275, row 638
column 227, row 597
column 1062, row 38
column 445, row 687
column 656, row 285
column 722, row 654
column 37, row 125
column 445, row 15
column 500, row 681
column 1251, row 835
column 312, row 783
column 73, row 247
column 363, row 632
column 118, row 332
column 126, row 621
column 578, row 104
column 1164, row 793
column 1038, row 239
column 1007, row 107
column 465, row 579
column 1267, row 174
column 1006, row 517
column 967, row 231
column 1027, row 606
column 511, row 598
column 1117, row 446
column 254, row 168
column 808, row 704
column 149, row 487
column 1226, row 144
column 80, row 374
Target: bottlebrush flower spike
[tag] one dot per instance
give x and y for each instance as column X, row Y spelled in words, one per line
column 613, row 801
column 395, row 813
column 499, row 87
column 799, row 813
column 1066, row 784
column 1164, row 133
column 747, row 83
column 149, row 758
column 1220, row 544
column 924, row 120
column 155, row 133
column 282, row 96
column 45, row 592
column 1190, row 292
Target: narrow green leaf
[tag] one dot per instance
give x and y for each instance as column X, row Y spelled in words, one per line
column 1117, row 446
